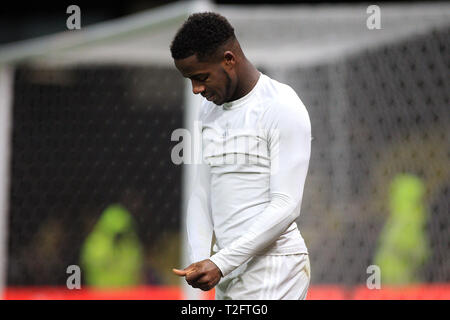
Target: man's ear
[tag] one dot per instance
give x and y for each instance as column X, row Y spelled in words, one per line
column 229, row 59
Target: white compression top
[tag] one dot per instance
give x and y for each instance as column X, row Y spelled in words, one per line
column 248, row 189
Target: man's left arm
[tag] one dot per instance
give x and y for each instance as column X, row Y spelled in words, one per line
column 289, row 142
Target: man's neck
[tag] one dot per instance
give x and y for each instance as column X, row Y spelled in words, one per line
column 248, row 78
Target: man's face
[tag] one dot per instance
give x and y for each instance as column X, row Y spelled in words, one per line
column 216, row 81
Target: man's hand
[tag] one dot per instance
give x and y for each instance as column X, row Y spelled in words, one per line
column 203, row 274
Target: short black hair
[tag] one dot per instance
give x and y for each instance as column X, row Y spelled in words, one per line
column 201, row 34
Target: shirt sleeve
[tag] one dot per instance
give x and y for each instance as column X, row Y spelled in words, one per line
column 289, row 141
column 198, row 216
column 198, row 220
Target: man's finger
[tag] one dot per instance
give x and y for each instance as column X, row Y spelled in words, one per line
column 184, row 272
column 205, row 287
column 193, row 276
column 180, row 273
column 203, row 280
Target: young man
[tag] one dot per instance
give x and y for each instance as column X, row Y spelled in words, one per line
column 256, row 138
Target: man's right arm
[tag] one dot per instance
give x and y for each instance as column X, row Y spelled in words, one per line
column 199, row 222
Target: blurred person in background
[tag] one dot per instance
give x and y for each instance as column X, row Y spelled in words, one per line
column 250, row 207
column 112, row 254
column 403, row 244
column 44, row 257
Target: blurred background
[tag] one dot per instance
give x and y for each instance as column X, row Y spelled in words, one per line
column 86, row 118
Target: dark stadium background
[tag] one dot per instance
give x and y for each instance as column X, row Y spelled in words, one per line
column 20, row 21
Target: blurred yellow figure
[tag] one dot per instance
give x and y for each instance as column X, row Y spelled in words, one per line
column 403, row 243
column 111, row 255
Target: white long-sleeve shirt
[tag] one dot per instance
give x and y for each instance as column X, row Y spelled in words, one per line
column 248, row 190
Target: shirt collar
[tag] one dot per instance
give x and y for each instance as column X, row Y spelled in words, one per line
column 241, row 101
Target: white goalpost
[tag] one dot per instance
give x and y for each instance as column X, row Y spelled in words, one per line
column 6, row 94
